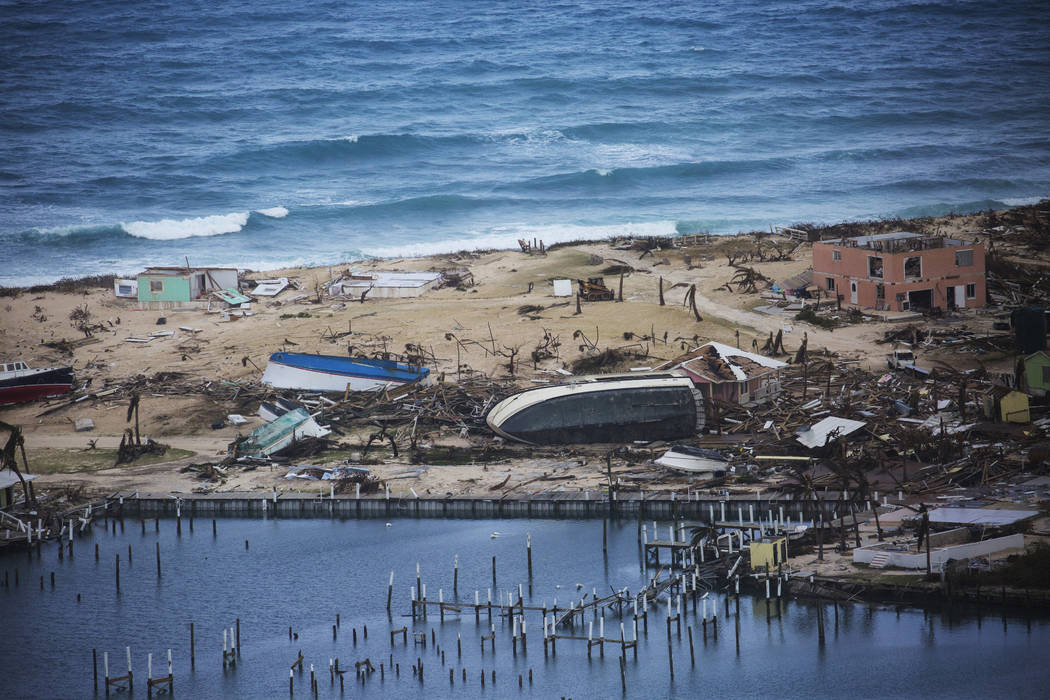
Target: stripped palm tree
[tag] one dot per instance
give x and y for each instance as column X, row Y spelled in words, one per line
column 16, row 442
column 805, row 488
column 861, row 466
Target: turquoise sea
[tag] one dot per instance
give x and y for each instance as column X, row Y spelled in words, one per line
column 264, row 133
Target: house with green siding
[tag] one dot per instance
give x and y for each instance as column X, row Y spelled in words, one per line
column 1037, row 373
column 166, row 287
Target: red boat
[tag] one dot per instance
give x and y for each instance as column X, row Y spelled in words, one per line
column 19, row 383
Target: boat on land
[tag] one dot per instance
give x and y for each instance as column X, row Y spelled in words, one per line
column 296, row 370
column 693, row 460
column 602, row 409
column 280, row 433
column 272, row 410
column 20, row 383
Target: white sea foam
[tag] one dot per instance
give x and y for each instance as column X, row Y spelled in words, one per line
column 505, row 237
column 274, row 212
column 1021, row 201
column 173, row 229
column 342, row 203
column 638, row 155
column 604, row 172
column 530, row 137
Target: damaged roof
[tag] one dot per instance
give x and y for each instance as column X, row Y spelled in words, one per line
column 818, row 434
column 717, row 362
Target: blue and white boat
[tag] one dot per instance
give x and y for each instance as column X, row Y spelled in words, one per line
column 296, row 370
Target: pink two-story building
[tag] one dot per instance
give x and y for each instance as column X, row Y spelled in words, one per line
column 902, row 271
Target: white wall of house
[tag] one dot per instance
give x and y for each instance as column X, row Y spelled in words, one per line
column 203, row 281
column 938, row 557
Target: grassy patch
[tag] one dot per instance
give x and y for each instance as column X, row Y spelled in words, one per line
column 56, row 461
column 892, row 579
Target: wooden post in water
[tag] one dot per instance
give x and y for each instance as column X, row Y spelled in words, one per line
column 493, row 570
column 528, row 550
column 117, row 571
column 419, row 590
column 193, row 649
column 455, row 575
column 390, row 591
column 670, row 649
column 214, row 528
column 158, row 559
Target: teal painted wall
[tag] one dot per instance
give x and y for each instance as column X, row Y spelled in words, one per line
column 175, row 288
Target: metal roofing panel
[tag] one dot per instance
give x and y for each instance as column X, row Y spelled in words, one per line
column 818, row 433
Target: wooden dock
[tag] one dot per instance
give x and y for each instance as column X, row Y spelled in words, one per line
column 322, row 503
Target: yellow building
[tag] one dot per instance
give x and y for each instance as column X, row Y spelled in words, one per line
column 1006, row 405
column 769, row 553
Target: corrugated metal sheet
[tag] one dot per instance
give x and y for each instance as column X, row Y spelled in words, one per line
column 818, row 433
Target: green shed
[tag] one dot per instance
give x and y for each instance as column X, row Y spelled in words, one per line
column 1037, row 372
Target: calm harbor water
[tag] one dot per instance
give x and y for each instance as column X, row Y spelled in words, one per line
column 302, row 572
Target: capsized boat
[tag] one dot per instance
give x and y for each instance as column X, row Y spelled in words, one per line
column 296, row 370
column 602, row 409
column 272, row 410
column 20, row 383
column 693, row 460
column 280, row 433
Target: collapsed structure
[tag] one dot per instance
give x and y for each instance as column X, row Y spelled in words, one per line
column 725, row 373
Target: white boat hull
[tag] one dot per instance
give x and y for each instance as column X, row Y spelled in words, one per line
column 287, row 377
column 692, row 464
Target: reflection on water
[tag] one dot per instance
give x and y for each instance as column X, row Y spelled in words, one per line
column 302, row 573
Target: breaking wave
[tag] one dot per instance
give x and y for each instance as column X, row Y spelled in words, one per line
column 172, row 229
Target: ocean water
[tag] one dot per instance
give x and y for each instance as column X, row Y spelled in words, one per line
column 303, row 572
column 265, row 133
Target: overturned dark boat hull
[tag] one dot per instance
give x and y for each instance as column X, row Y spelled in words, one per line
column 613, row 409
column 33, row 385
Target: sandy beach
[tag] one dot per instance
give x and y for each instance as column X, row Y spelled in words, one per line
column 489, row 315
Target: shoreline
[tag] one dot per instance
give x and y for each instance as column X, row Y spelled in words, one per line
column 455, row 250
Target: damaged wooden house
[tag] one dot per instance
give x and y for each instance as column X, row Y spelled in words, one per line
column 384, row 285
column 725, row 373
column 182, row 287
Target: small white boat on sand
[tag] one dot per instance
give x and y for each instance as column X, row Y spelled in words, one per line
column 693, row 460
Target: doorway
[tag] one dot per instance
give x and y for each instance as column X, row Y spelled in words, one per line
column 921, row 299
